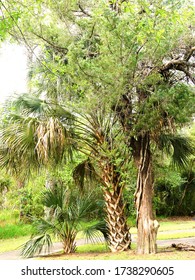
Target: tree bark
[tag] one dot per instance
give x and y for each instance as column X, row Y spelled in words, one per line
column 69, row 244
column 119, row 236
column 118, row 230
column 146, row 224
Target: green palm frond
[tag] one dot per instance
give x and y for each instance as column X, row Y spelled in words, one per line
column 45, row 225
column 83, row 205
column 36, row 245
column 95, row 232
column 35, row 133
column 17, row 148
column 53, row 198
column 179, row 147
column 31, row 104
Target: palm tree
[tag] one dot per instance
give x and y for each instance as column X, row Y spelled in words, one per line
column 100, row 138
column 68, row 211
column 32, row 135
column 35, row 132
column 54, row 134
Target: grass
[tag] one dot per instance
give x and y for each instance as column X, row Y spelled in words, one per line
column 7, row 216
column 13, row 231
column 171, row 225
column 11, row 227
column 7, row 245
column 14, row 234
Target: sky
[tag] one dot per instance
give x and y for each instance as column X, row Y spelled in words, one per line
column 13, row 70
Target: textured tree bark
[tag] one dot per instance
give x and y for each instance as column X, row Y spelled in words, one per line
column 146, row 223
column 69, row 244
column 119, row 236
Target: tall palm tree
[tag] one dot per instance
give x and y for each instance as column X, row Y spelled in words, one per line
column 101, row 139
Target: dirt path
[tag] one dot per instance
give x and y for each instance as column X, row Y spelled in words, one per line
column 15, row 255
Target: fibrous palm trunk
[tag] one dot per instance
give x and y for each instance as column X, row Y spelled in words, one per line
column 146, row 223
column 69, row 244
column 118, row 235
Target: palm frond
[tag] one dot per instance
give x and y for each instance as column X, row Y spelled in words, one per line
column 36, row 245
column 83, row 205
column 30, row 104
column 53, row 198
column 84, row 171
column 179, row 147
column 94, row 233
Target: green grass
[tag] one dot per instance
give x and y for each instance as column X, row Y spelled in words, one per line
column 13, row 231
column 14, row 234
column 176, row 225
column 7, row 245
column 9, row 217
column 172, row 225
column 169, row 235
column 10, row 227
column 92, row 248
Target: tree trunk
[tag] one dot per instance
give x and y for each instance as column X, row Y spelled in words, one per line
column 69, row 244
column 146, row 224
column 119, row 236
column 20, row 187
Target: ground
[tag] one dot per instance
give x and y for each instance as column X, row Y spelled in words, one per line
column 177, row 230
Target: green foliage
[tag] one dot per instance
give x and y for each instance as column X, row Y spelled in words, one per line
column 131, row 58
column 178, row 147
column 65, row 212
column 15, row 230
column 174, row 192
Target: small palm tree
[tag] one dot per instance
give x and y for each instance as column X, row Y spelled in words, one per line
column 64, row 221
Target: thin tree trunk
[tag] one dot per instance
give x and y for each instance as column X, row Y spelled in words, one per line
column 146, row 224
column 69, row 244
column 119, row 236
column 20, row 186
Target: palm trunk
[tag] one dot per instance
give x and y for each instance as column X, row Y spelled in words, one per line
column 146, row 224
column 119, row 236
column 69, row 244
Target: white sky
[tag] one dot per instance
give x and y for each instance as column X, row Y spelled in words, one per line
column 13, row 70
